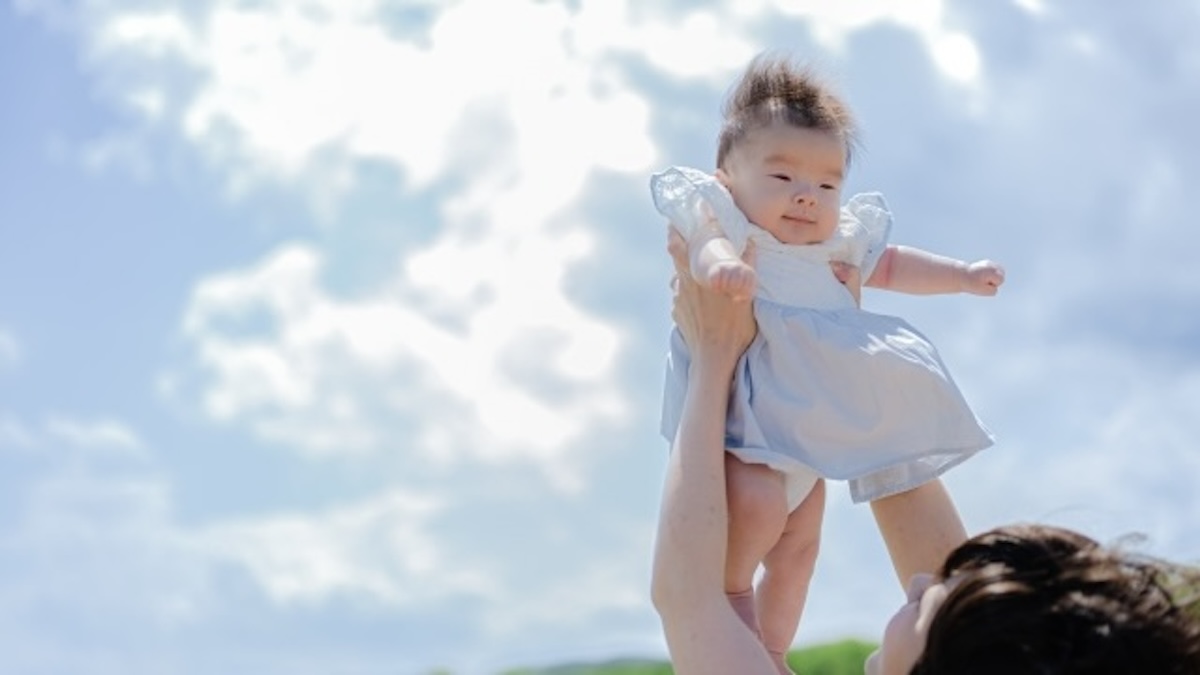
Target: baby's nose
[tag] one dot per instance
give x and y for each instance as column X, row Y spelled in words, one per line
column 805, row 193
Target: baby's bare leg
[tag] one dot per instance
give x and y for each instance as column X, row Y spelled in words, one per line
column 757, row 514
column 920, row 528
column 789, row 567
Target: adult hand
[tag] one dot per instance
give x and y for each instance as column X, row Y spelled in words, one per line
column 713, row 324
column 850, row 276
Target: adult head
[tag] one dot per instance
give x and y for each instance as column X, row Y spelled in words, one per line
column 1041, row 599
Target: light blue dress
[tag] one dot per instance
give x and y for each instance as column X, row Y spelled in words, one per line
column 826, row 389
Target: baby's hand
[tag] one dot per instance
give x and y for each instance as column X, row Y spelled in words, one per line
column 732, row 277
column 983, row 277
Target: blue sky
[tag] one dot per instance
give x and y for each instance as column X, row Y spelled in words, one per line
column 331, row 333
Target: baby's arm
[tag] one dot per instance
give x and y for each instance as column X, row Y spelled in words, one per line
column 911, row 270
column 716, row 264
column 690, row 200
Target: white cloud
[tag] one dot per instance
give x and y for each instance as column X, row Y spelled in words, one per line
column 379, row 551
column 109, row 553
column 104, row 434
column 272, row 97
column 1035, row 7
column 478, row 319
column 89, row 543
column 708, row 44
column 275, row 101
column 612, row 581
column 957, row 57
column 331, row 375
column 953, row 51
column 93, row 548
column 68, row 435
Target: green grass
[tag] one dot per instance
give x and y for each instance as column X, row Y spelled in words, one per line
column 618, row 667
column 836, row 658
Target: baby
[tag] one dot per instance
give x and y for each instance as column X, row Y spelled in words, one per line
column 826, row 390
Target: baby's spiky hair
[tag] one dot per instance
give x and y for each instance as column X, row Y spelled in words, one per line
column 775, row 89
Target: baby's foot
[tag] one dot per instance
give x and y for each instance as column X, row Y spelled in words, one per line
column 732, row 277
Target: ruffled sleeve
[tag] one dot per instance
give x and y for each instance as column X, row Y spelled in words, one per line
column 688, row 197
column 866, row 222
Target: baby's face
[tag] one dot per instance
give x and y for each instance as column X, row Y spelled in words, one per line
column 788, row 181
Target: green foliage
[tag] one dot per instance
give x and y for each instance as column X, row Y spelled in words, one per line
column 621, row 667
column 837, row 658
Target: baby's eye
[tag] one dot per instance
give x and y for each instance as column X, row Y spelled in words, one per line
column 781, row 176
column 827, row 186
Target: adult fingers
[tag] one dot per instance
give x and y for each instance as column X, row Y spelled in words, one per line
column 677, row 247
column 750, row 254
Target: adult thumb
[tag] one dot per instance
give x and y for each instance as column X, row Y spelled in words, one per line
column 750, row 253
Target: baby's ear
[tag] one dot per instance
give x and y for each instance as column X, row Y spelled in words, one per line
column 722, row 177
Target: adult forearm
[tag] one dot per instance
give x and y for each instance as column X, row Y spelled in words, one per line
column 693, row 522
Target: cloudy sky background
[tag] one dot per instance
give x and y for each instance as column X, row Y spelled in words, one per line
column 331, row 331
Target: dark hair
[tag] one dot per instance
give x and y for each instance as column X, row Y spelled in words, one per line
column 1043, row 600
column 772, row 89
